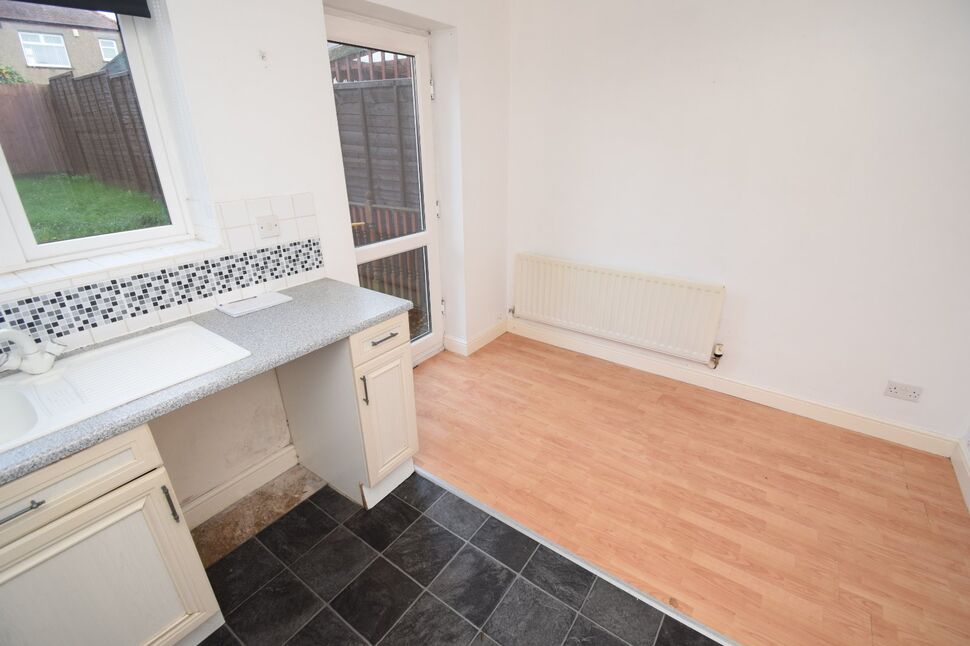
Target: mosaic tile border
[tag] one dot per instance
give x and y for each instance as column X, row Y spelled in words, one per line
column 76, row 309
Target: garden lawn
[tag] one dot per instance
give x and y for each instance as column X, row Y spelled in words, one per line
column 64, row 207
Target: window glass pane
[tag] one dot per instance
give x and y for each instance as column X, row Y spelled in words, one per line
column 44, row 49
column 404, row 275
column 377, row 119
column 109, row 49
column 76, row 144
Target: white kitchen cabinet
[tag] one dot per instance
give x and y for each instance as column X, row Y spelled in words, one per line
column 118, row 570
column 358, row 438
column 385, row 396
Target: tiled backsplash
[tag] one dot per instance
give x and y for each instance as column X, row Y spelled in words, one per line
column 66, row 312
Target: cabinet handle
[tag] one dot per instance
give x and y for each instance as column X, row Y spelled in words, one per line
column 34, row 504
column 171, row 503
column 387, row 338
column 366, row 397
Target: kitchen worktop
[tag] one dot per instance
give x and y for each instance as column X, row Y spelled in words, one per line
column 321, row 312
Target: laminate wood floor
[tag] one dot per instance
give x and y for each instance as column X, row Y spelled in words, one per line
column 768, row 527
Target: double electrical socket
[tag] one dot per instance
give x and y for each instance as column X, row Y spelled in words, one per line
column 903, row 391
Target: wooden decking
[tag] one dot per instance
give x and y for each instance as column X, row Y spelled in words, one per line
column 768, row 527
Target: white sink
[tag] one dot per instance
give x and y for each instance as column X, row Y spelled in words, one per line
column 90, row 383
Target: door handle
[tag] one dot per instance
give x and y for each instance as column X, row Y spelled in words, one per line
column 387, row 338
column 34, row 504
column 171, row 503
column 366, row 397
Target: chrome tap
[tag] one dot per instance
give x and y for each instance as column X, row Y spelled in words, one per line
column 27, row 355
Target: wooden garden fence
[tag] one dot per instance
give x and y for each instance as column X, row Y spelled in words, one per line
column 89, row 125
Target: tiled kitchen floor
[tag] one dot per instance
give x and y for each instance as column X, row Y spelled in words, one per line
column 423, row 567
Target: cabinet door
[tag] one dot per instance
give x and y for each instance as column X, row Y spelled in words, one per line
column 119, row 570
column 385, row 390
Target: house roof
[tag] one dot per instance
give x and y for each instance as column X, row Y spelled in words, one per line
column 50, row 15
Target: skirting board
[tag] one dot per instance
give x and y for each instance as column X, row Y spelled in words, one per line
column 961, row 466
column 467, row 348
column 639, row 359
column 200, row 634
column 215, row 500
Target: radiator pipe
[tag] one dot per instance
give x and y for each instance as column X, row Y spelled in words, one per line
column 716, row 355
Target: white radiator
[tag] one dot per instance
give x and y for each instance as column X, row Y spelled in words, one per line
column 667, row 315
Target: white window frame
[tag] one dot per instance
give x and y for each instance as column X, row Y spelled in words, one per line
column 24, row 46
column 114, row 44
column 18, row 247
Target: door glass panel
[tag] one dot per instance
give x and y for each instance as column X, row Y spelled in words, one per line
column 377, row 119
column 404, row 275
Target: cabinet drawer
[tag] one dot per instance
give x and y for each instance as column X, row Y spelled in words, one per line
column 66, row 485
column 378, row 339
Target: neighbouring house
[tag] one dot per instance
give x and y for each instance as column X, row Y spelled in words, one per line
column 41, row 41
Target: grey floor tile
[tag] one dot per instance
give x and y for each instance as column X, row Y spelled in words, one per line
column 508, row 545
column 527, row 615
column 481, row 639
column 297, row 531
column 221, row 637
column 326, row 629
column 418, row 491
column 384, row 523
column 275, row 613
column 333, row 562
column 585, row 633
column 430, row 623
column 240, row 573
column 457, row 515
column 674, row 633
column 423, row 550
column 472, row 584
column 622, row 614
column 376, row 599
column 559, row 576
column 339, row 507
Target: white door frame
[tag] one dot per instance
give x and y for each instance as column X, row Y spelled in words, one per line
column 344, row 29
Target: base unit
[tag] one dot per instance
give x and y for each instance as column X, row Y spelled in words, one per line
column 118, row 570
column 350, row 408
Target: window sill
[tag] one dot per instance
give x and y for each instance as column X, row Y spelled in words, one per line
column 74, row 273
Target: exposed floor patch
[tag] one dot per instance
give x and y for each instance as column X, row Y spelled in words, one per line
column 231, row 527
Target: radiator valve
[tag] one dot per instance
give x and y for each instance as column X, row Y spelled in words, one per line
column 716, row 355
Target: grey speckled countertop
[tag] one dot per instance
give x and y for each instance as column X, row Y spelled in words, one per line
column 320, row 313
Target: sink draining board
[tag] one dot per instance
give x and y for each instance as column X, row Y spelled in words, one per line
column 96, row 381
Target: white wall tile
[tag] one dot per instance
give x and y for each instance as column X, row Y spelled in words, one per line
column 78, row 268
column 40, row 275
column 204, row 305
column 282, row 206
column 233, row 214
column 303, row 204
column 289, row 232
column 76, row 340
column 308, row 226
column 259, row 207
column 11, row 282
column 240, row 239
column 173, row 313
column 143, row 322
column 109, row 331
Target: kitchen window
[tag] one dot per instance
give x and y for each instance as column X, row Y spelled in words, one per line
column 84, row 169
column 44, row 50
column 109, row 49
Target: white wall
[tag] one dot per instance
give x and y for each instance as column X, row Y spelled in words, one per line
column 257, row 82
column 213, row 440
column 811, row 156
